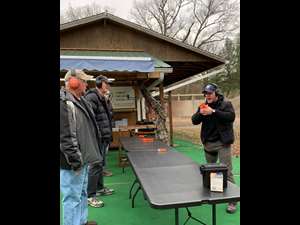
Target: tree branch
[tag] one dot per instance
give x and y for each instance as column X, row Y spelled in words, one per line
column 188, row 33
column 205, row 41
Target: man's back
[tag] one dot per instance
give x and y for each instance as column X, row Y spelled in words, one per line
column 102, row 112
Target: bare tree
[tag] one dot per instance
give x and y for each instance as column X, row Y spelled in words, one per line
column 200, row 23
column 214, row 19
column 162, row 16
column 229, row 79
column 75, row 13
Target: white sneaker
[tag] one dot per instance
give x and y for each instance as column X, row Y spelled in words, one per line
column 94, row 202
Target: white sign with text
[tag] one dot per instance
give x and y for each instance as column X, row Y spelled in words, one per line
column 123, row 97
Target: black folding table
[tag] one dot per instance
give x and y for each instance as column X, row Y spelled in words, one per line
column 171, row 180
column 181, row 187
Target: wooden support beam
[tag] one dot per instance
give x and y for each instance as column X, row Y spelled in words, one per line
column 141, row 76
column 161, row 94
column 154, row 75
column 170, row 118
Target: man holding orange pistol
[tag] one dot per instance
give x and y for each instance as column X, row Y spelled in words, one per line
column 217, row 117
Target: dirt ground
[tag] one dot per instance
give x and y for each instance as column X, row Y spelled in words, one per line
column 184, row 129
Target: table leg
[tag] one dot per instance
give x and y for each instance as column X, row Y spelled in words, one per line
column 214, row 214
column 176, row 217
column 135, row 181
column 191, row 217
column 132, row 201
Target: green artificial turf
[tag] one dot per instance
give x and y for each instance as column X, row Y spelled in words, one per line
column 118, row 211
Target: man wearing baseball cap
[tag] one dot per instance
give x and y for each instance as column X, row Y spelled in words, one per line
column 78, row 75
column 217, row 117
column 103, row 114
column 209, row 88
column 79, row 146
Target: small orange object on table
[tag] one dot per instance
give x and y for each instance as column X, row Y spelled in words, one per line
column 147, row 140
column 162, row 150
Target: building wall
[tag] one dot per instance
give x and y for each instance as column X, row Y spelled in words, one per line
column 115, row 36
column 185, row 108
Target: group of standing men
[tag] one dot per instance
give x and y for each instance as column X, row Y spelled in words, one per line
column 85, row 135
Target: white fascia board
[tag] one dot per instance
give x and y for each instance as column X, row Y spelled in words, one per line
column 106, row 58
column 93, row 79
column 191, row 80
column 163, row 70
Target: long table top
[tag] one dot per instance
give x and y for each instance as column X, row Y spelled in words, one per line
column 153, row 159
column 135, row 144
column 181, row 186
column 172, row 180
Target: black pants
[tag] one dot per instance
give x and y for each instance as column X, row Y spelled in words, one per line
column 95, row 179
column 215, row 150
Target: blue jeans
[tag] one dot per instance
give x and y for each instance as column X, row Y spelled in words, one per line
column 74, row 190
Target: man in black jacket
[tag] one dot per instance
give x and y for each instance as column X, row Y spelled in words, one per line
column 101, row 109
column 79, row 146
column 217, row 135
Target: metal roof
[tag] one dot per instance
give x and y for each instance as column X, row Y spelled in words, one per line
column 135, row 26
column 126, row 55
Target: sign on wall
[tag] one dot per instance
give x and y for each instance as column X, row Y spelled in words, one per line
column 123, row 97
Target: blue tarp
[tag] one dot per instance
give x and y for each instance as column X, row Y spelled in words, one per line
column 107, row 65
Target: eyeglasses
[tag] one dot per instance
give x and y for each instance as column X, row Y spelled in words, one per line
column 207, row 93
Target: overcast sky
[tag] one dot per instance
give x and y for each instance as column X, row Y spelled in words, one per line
column 121, row 7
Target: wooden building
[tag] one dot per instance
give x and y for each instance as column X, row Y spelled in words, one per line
column 130, row 54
